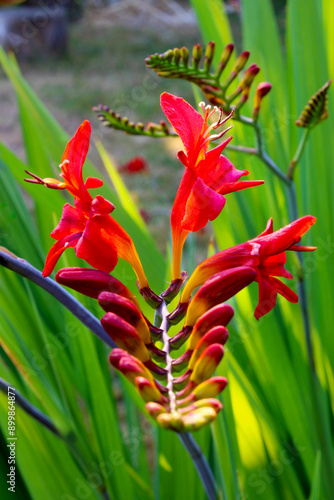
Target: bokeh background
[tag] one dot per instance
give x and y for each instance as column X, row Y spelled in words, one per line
column 274, row 438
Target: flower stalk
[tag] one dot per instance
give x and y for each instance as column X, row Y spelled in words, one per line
column 187, row 440
column 23, row 268
column 163, row 312
column 298, row 154
column 30, row 409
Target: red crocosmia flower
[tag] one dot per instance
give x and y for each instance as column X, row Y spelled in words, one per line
column 266, row 254
column 87, row 227
column 208, row 176
column 134, row 166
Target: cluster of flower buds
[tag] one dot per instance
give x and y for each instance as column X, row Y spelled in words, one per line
column 176, row 63
column 180, row 391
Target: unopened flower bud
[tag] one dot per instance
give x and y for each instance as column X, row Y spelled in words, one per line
column 219, row 315
column 155, row 409
column 262, row 90
column 207, row 363
column 240, row 62
column 208, row 402
column 217, row 335
column 218, row 289
column 196, row 55
column 177, row 55
column 125, row 336
column 209, row 55
column 249, row 76
column 225, row 57
column 125, row 308
column 184, row 55
column 171, row 421
column 244, row 85
column 210, row 388
column 91, row 282
column 148, row 390
column 130, row 366
column 196, row 419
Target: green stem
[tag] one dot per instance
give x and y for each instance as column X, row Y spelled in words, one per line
column 242, row 149
column 201, row 464
column 39, row 416
column 298, row 154
column 301, row 284
column 31, row 410
column 22, row 267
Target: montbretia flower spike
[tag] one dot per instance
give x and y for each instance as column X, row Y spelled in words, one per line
column 87, row 227
column 180, row 391
column 208, row 174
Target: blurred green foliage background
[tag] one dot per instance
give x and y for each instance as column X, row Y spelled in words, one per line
column 274, row 438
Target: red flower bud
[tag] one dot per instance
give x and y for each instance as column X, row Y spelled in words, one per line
column 155, row 409
column 148, row 390
column 219, row 315
column 125, row 336
column 91, row 282
column 125, row 308
column 196, row 419
column 218, row 289
column 207, row 363
column 217, row 335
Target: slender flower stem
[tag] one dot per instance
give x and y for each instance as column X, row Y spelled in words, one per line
column 301, row 285
column 201, row 464
column 22, row 267
column 242, row 149
column 23, row 403
column 186, row 438
column 163, row 312
column 34, row 412
column 298, row 154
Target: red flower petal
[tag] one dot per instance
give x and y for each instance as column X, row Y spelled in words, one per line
column 74, row 158
column 269, row 228
column 179, row 205
column 267, row 298
column 100, row 206
column 274, row 266
column 72, row 221
column 96, row 246
column 188, row 123
column 203, row 204
column 56, row 250
column 284, row 290
column 281, row 240
column 93, row 183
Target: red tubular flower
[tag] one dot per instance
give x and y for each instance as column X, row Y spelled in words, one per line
column 88, row 227
column 266, row 254
column 219, row 288
column 208, row 175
